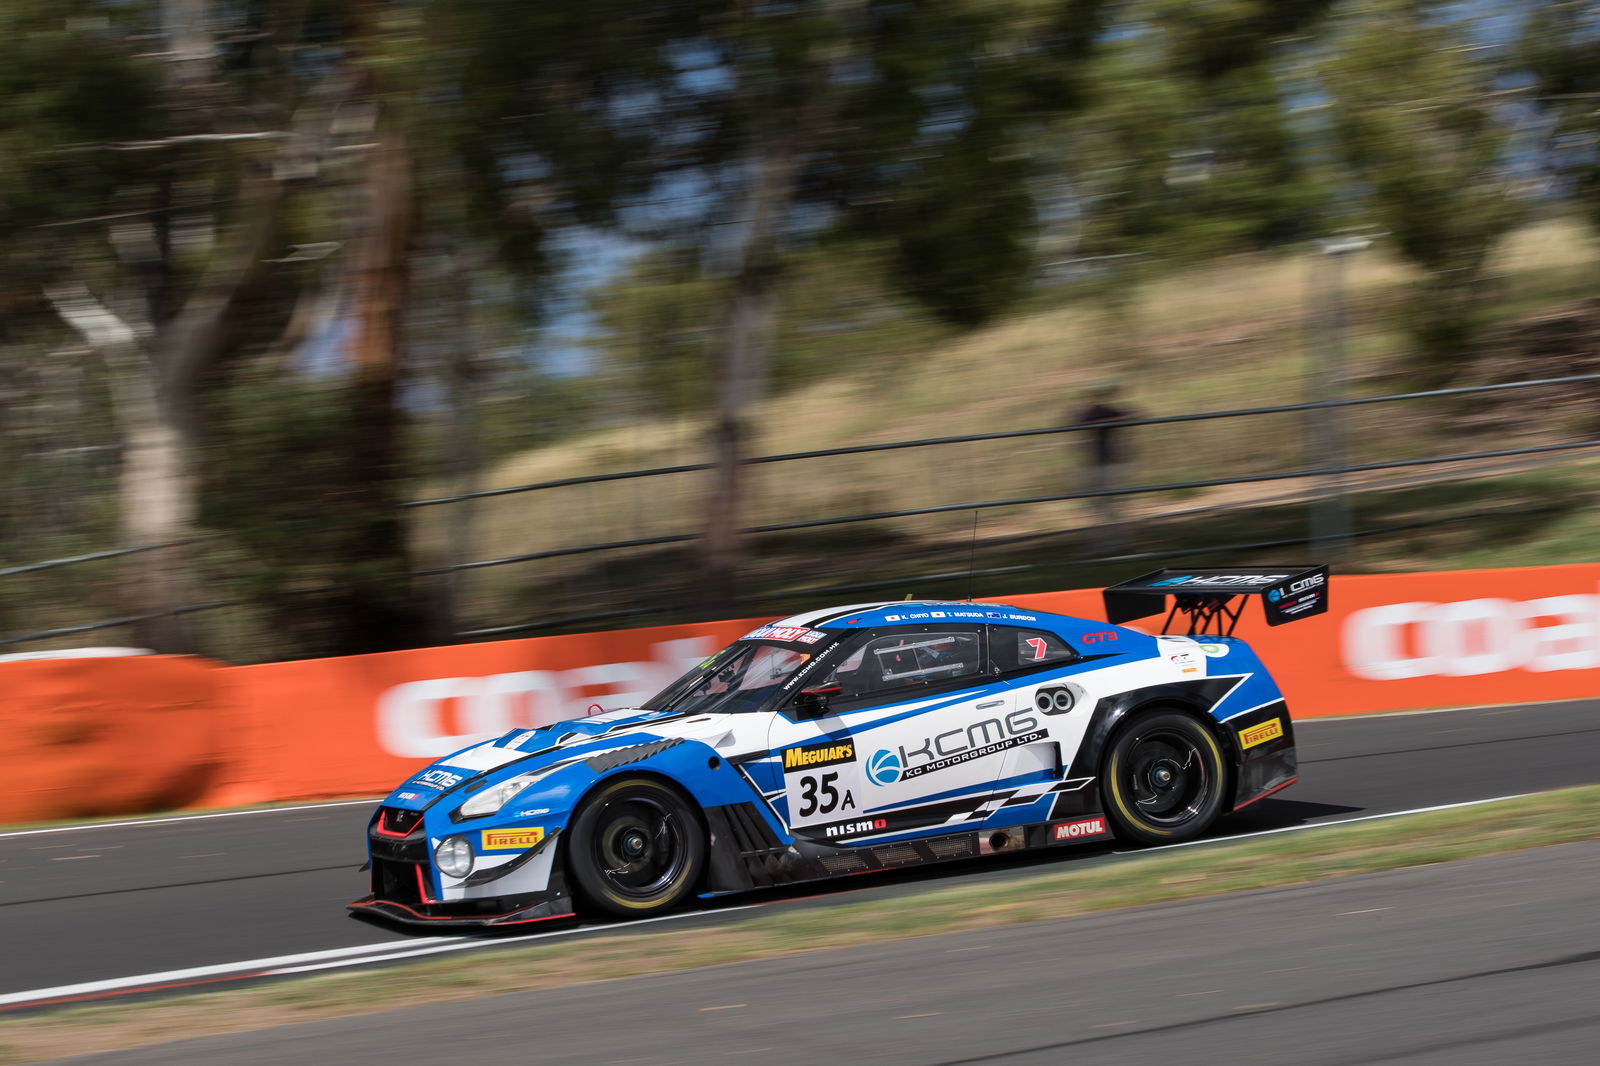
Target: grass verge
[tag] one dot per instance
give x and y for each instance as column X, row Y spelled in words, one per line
column 1315, row 854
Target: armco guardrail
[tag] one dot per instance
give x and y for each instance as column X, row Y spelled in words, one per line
column 107, row 736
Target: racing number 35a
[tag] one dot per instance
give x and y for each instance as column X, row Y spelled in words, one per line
column 822, row 781
column 831, row 800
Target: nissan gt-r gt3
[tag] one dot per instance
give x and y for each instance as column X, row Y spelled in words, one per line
column 861, row 738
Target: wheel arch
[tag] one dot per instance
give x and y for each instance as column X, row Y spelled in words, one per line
column 568, row 861
column 1112, row 712
column 636, row 771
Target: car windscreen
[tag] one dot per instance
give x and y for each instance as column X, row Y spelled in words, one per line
column 744, row 676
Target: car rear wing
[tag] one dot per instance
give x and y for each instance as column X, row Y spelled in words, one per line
column 1210, row 598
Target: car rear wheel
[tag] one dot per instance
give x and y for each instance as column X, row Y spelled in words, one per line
column 636, row 848
column 1164, row 779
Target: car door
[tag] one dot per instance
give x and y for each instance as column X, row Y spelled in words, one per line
column 1031, row 662
column 914, row 734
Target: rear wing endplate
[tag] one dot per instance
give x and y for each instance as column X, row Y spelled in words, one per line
column 1210, row 598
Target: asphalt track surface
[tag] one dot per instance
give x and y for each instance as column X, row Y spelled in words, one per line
column 1486, row 961
column 91, row 904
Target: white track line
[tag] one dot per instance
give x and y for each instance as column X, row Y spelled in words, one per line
column 332, row 958
column 1324, row 825
column 337, row 958
column 187, row 818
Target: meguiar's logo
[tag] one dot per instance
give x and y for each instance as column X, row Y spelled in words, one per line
column 818, row 755
column 1260, row 734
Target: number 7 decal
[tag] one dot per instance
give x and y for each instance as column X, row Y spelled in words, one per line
column 1038, row 645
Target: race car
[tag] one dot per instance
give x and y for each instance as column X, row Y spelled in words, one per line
column 862, row 738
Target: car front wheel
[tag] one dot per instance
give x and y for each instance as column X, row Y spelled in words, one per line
column 636, row 848
column 1163, row 779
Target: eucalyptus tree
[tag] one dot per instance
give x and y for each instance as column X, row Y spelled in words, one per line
column 818, row 124
column 1560, row 47
column 1419, row 119
column 150, row 152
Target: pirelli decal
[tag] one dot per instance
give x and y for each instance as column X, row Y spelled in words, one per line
column 803, row 758
column 1260, row 734
column 504, row 839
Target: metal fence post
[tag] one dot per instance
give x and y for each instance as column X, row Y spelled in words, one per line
column 1331, row 522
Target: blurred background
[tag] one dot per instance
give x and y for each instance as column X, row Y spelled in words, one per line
column 334, row 326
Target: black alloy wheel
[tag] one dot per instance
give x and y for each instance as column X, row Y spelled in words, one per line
column 636, row 848
column 1164, row 779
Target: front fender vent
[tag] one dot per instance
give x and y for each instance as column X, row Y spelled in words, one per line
column 610, row 760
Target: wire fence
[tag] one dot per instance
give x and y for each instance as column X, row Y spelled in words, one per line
column 1334, row 479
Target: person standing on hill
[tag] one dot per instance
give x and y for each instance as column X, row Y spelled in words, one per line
column 1108, row 465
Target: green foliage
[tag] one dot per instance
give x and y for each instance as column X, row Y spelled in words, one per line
column 839, row 309
column 281, row 495
column 1187, row 150
column 66, row 95
column 1560, row 47
column 1414, row 113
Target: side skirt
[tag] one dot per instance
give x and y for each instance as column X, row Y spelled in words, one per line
column 746, row 853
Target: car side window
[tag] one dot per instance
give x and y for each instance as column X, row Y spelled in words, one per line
column 889, row 665
column 1028, row 649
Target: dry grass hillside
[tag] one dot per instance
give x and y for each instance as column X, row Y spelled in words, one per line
column 1235, row 334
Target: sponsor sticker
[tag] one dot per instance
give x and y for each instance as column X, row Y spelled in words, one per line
column 1088, row 827
column 821, row 781
column 796, row 634
column 864, row 825
column 1216, row 580
column 819, row 755
column 883, row 767
column 407, row 795
column 437, row 779
column 1260, row 734
column 1186, row 662
column 889, row 769
column 504, row 839
column 1214, row 651
column 978, row 740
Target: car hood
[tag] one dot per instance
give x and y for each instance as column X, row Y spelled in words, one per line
column 523, row 750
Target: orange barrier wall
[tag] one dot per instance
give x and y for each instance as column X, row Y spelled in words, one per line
column 358, row 725
column 81, row 737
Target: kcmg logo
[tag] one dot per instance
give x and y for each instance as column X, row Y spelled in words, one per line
column 883, row 767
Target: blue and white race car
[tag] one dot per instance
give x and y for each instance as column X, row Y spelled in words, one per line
column 862, row 738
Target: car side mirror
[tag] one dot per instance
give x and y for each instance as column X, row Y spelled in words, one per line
column 813, row 702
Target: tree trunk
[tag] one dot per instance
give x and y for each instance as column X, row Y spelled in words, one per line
column 742, row 359
column 380, row 612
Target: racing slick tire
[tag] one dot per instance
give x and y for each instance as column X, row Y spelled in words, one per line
column 636, row 847
column 1164, row 779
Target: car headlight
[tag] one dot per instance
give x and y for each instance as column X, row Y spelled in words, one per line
column 494, row 797
column 454, row 856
